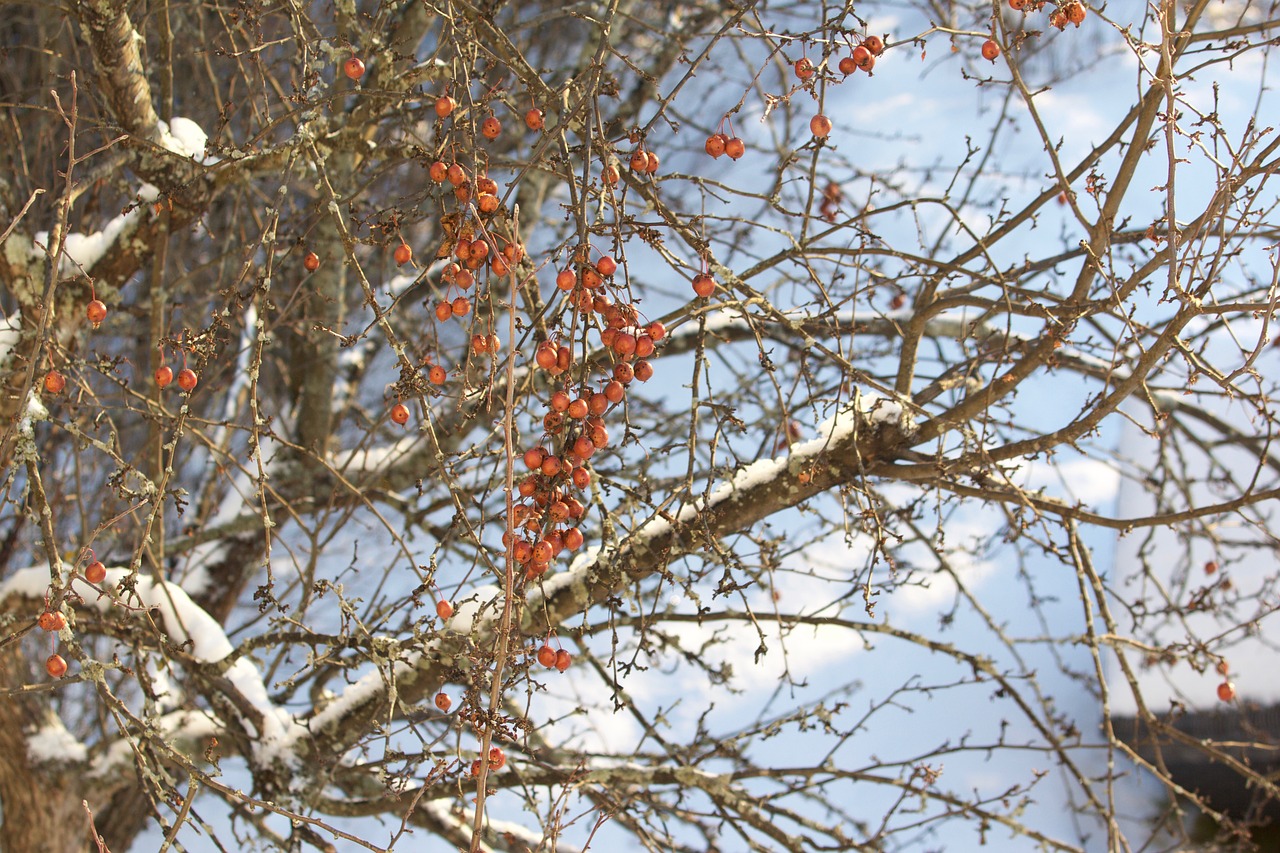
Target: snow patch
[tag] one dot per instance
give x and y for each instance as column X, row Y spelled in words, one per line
column 9, row 335
column 52, row 744
column 184, row 137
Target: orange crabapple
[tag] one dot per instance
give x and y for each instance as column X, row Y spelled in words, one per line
column 848, row 65
column 400, row 414
column 1226, row 691
column 445, row 105
column 444, row 609
column 563, row 660
column 55, row 666
column 715, row 144
column 875, row 44
column 735, row 148
column 311, row 262
column 534, row 119
column 96, row 312
column 491, row 128
column 52, row 620
column 403, row 254
column 990, row 50
column 643, row 370
column 95, row 572
column 804, row 68
column 187, row 379
column 820, row 126
column 437, row 375
column 163, row 375
column 546, row 656
column 54, row 382
column 443, row 702
column 704, row 285
column 353, row 68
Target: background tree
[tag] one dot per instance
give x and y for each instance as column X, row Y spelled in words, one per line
column 538, row 424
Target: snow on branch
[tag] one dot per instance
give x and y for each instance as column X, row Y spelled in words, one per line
column 273, row 730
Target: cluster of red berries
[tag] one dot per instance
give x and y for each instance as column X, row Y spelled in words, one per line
column 554, row 658
column 1070, row 12
column 642, row 161
column 719, row 144
column 543, row 522
column 497, row 760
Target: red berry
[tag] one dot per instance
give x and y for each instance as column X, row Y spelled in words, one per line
column 52, row 620
column 438, row 172
column 1075, row 12
column 534, row 457
column 862, row 58
column 534, row 119
column 848, row 65
column 95, row 572
column 443, row 701
column 563, row 660
column 54, row 382
column 643, row 371
column 1211, row 567
column 735, row 148
column 1017, row 5
column 1226, row 691
column 704, row 285
column 444, row 310
column 403, row 254
column 311, row 262
column 804, row 68
column 187, row 379
column 437, row 375
column 639, row 161
column 715, row 144
column 96, row 312
column 400, row 413
column 820, row 126
column 547, row 656
column 456, row 175
column 496, row 759
column 875, row 44
column 164, row 375
column 444, row 609
column 55, row 666
column 461, row 306
column 606, row 266
column 573, row 538
column 990, row 50
column 652, row 165
column 445, row 105
column 353, row 68
column 490, row 128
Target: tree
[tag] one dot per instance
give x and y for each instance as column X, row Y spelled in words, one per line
column 537, row 424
